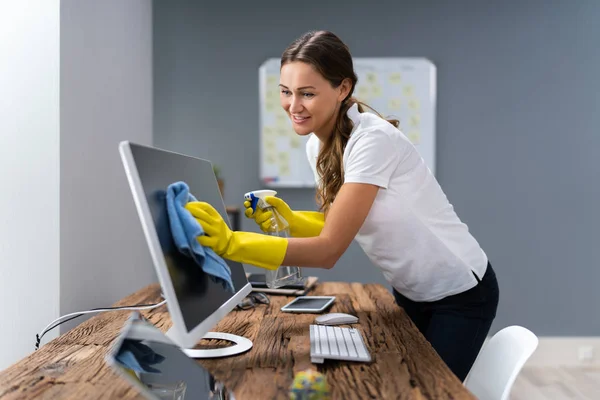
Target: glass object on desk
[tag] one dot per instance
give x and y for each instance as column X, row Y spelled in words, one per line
column 175, row 391
column 284, row 275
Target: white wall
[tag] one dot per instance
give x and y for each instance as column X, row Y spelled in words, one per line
column 29, row 173
column 106, row 97
column 75, row 80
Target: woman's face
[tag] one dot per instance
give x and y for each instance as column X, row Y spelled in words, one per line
column 309, row 99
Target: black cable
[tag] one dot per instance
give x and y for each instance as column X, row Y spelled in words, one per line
column 38, row 337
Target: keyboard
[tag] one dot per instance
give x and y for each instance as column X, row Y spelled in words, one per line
column 333, row 342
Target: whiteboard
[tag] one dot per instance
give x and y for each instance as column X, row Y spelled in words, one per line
column 398, row 88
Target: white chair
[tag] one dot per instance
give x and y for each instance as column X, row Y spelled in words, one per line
column 499, row 362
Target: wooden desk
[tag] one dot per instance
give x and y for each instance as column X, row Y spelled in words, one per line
column 404, row 364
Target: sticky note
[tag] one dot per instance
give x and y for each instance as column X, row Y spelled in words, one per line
column 395, row 78
column 415, row 120
column 362, row 92
column 408, row 91
column 270, row 145
column 394, row 104
column 280, row 120
column 295, row 142
column 413, row 104
column 272, row 95
column 371, row 77
column 284, row 169
column 376, row 90
column 414, row 136
column 271, row 158
column 272, row 80
column 267, row 131
column 284, row 157
column 280, row 111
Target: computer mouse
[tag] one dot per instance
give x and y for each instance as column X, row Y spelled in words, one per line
column 336, row 319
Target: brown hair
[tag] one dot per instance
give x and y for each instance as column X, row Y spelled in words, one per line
column 332, row 59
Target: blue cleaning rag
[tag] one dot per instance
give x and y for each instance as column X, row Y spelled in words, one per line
column 138, row 357
column 185, row 229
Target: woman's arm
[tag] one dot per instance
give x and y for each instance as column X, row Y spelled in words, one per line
column 344, row 219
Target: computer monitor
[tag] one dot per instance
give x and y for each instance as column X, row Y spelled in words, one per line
column 195, row 302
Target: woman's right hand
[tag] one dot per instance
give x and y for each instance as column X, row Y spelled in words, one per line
column 261, row 217
column 302, row 223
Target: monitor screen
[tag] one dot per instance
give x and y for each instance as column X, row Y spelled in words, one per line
column 198, row 296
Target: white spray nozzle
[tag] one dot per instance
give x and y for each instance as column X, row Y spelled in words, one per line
column 257, row 198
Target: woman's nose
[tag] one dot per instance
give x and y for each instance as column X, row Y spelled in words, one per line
column 296, row 105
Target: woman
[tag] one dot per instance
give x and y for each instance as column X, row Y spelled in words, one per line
column 374, row 187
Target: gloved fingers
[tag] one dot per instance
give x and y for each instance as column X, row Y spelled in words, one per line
column 265, row 216
column 276, row 202
column 210, row 220
column 208, row 227
column 208, row 241
column 249, row 212
column 281, row 206
column 197, row 206
column 198, row 212
column 266, row 226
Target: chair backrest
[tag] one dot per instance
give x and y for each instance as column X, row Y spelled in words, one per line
column 499, row 363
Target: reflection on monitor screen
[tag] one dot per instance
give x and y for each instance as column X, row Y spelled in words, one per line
column 158, row 368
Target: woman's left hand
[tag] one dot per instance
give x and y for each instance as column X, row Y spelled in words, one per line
column 260, row 250
column 217, row 234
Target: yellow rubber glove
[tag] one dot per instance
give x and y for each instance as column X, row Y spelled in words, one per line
column 246, row 247
column 302, row 223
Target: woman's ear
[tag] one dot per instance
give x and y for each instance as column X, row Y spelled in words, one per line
column 344, row 89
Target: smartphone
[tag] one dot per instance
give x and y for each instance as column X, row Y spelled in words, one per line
column 308, row 304
column 259, row 281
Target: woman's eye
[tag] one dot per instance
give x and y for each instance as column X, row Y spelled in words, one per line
column 286, row 92
column 309, row 95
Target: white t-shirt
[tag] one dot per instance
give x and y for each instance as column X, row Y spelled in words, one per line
column 412, row 232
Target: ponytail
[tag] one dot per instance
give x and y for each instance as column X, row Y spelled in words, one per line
column 330, row 166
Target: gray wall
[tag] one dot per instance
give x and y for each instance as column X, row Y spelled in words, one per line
column 106, row 97
column 517, row 124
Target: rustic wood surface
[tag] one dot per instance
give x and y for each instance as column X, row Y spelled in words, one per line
column 404, row 365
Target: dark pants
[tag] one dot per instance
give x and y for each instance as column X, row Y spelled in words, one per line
column 456, row 326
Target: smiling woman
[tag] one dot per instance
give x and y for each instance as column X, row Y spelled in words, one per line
column 317, row 80
column 373, row 187
column 309, row 99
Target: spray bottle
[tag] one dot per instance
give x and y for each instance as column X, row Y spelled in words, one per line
column 284, row 275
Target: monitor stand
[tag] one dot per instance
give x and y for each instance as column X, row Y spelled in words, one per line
column 241, row 345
